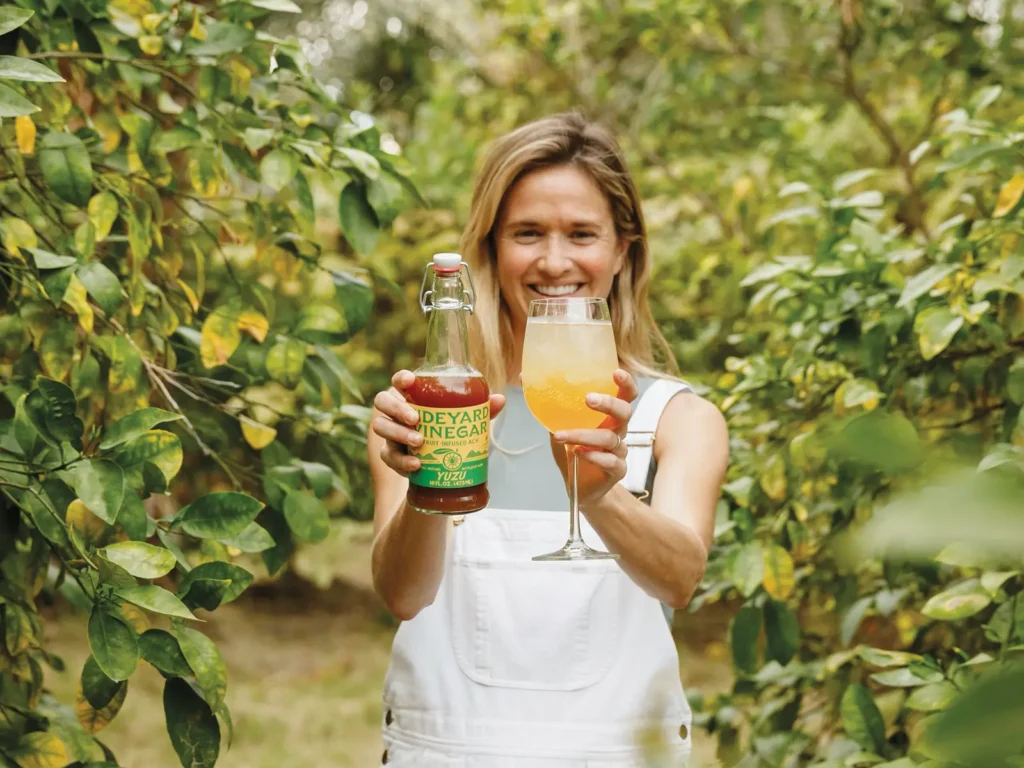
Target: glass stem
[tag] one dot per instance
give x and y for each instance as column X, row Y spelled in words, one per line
column 575, row 540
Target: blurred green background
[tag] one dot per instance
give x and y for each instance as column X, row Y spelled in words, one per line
column 833, row 194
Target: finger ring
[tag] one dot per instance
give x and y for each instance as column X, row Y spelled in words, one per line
column 618, row 442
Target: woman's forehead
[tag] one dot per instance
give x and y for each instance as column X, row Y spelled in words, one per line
column 564, row 192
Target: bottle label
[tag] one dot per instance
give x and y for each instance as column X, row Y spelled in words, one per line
column 455, row 446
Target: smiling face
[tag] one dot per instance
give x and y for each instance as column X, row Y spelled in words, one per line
column 555, row 236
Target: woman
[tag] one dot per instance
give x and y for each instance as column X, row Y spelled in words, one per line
column 502, row 661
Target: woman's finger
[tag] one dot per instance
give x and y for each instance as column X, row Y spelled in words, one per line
column 608, row 462
column 597, row 439
column 402, row 463
column 628, row 389
column 619, row 410
column 497, row 404
column 402, row 380
column 395, row 432
column 393, row 405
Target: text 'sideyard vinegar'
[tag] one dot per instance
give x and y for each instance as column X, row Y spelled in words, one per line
column 452, row 399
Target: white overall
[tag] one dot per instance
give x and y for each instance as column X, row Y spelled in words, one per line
column 523, row 664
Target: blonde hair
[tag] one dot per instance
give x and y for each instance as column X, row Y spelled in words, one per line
column 562, row 139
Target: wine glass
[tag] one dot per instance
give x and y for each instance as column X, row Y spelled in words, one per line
column 569, row 352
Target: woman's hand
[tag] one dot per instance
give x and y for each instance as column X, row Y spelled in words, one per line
column 601, row 451
column 396, row 421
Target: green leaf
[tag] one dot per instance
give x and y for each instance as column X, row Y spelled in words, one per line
column 282, row 6
column 218, row 515
column 363, row 162
column 155, row 599
column 935, row 328
column 284, row 362
column 134, row 425
column 358, row 220
column 907, row 678
column 304, row 196
column 340, row 370
column 306, row 516
column 11, row 18
column 99, row 483
column 160, row 648
column 102, row 285
column 930, row 698
column 321, row 324
column 319, row 476
column 213, row 584
column 62, row 421
column 254, row 538
column 157, row 447
column 47, row 260
column 140, row 559
column 278, row 168
column 748, row 569
column 880, row 658
column 356, row 300
column 66, row 168
column 923, row 282
column 221, row 37
column 744, row 631
column 114, row 644
column 782, row 632
column 175, row 139
column 26, row 70
column 191, row 724
column 958, row 602
column 13, row 104
column 1015, row 381
column 861, row 719
column 1007, row 623
column 205, row 660
column 98, row 689
column 992, row 581
column 981, row 727
column 132, row 516
column 853, row 177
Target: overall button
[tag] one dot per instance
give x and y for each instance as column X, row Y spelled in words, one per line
column 388, row 718
column 384, row 758
column 683, row 732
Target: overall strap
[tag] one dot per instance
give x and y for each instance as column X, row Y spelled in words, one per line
column 641, row 430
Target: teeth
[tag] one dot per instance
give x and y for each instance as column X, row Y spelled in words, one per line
column 556, row 290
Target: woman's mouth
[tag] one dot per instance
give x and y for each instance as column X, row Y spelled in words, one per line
column 555, row 291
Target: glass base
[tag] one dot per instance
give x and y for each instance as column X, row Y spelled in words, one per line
column 576, row 551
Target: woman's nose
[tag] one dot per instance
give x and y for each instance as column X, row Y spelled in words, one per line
column 555, row 259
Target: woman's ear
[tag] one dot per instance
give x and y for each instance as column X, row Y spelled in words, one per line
column 621, row 254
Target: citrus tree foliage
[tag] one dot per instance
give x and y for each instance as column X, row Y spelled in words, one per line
column 834, row 196
column 169, row 312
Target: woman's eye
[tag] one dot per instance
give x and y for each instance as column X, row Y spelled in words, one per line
column 582, row 234
column 527, row 233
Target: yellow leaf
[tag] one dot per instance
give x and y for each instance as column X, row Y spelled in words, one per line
column 742, row 188
column 257, row 435
column 241, row 78
column 203, row 177
column 18, row 635
column 25, row 132
column 779, row 577
column 773, row 478
column 95, row 720
column 18, row 233
column 42, row 749
column 151, row 45
column 75, row 297
column 152, row 21
column 193, row 301
column 136, row 617
column 135, row 164
column 1009, row 196
column 220, row 337
column 106, row 123
column 197, row 32
column 89, row 527
column 103, row 213
column 254, row 323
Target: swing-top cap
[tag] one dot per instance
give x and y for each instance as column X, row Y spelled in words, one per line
column 447, row 262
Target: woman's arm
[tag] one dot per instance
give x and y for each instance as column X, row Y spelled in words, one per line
column 408, row 546
column 664, row 547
